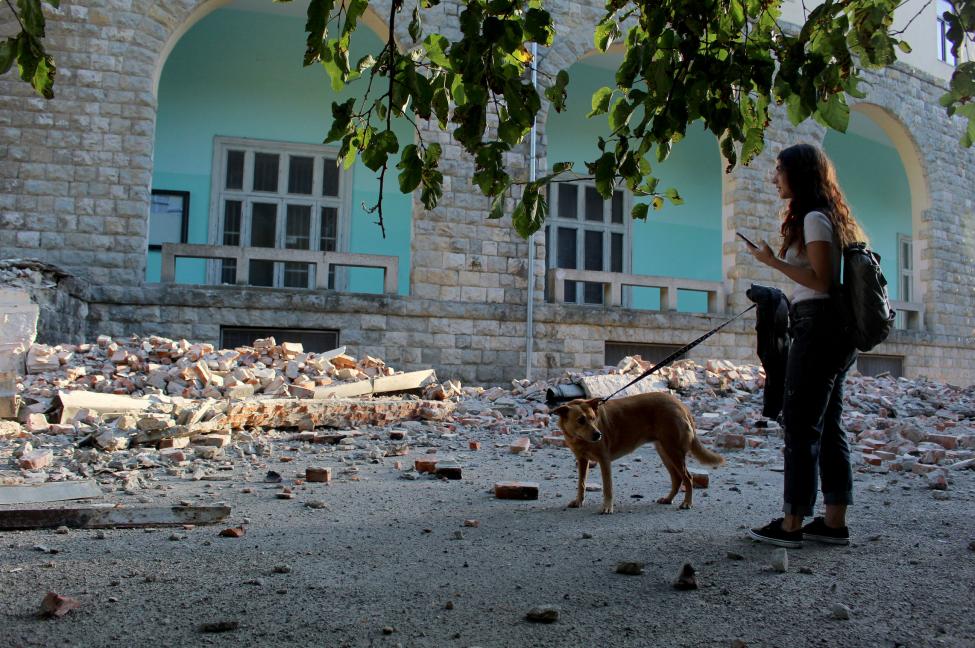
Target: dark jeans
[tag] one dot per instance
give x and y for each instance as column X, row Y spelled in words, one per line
column 815, row 441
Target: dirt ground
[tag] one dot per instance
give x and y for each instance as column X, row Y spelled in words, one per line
column 389, row 562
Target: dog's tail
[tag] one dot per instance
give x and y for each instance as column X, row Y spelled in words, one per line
column 702, row 454
column 705, row 456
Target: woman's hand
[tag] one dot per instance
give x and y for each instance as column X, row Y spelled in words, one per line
column 763, row 253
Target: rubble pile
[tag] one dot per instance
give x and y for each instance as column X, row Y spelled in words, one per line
column 130, row 411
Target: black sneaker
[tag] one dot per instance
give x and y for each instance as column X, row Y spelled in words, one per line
column 819, row 532
column 773, row 533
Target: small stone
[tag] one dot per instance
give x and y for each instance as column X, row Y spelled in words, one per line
column 472, row 523
column 735, row 556
column 586, row 536
column 805, row 570
column 840, row 611
column 55, row 605
column 940, row 495
column 219, row 626
column 738, row 643
column 388, row 630
column 686, row 579
column 63, row 530
column 458, row 535
column 232, row 532
column 285, row 495
column 316, row 504
column 449, row 605
column 780, row 560
column 272, row 477
column 175, row 537
column 282, row 569
column 633, row 568
column 99, row 535
column 543, row 614
column 255, row 581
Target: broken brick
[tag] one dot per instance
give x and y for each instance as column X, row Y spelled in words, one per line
column 318, row 475
column 426, row 465
column 516, row 490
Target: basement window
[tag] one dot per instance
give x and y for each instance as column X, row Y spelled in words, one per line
column 616, row 351
column 874, row 364
column 313, row 340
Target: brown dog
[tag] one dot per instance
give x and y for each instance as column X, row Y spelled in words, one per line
column 605, row 431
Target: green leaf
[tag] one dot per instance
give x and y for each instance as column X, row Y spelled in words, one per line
column 436, row 47
column 415, row 25
column 32, row 17
column 753, row 144
column 562, row 167
column 411, row 169
column 497, row 206
column 658, row 203
column 600, row 101
column 673, row 196
column 607, row 31
column 317, row 28
column 538, row 27
column 353, row 11
column 341, row 120
column 605, row 175
column 904, row 47
column 640, row 211
column 834, row 112
column 8, row 52
column 378, row 149
column 43, row 80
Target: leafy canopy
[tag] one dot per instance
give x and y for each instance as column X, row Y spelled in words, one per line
column 721, row 62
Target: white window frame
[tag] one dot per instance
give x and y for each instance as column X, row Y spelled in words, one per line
column 554, row 221
column 281, row 198
column 941, row 40
column 905, row 275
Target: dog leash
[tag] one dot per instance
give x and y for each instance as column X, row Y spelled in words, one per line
column 676, row 354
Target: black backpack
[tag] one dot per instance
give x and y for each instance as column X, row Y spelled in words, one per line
column 863, row 294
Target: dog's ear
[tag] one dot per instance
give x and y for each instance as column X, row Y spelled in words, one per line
column 561, row 409
column 594, row 403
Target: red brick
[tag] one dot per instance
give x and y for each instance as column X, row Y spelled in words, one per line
column 426, row 465
column 872, row 459
column 554, row 440
column 36, row 459
column 700, row 478
column 731, row 440
column 174, row 442
column 232, row 532
column 318, row 475
column 474, row 445
column 946, row 441
column 449, row 470
column 516, row 490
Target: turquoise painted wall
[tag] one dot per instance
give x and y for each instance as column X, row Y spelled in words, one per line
column 239, row 74
column 873, row 179
column 677, row 241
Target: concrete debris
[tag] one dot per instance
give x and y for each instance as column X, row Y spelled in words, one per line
column 544, row 614
column 129, row 412
column 55, row 605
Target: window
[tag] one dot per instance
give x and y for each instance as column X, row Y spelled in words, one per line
column 169, row 214
column 586, row 232
column 872, row 364
column 312, row 340
column 277, row 195
column 944, row 45
column 905, row 268
column 651, row 352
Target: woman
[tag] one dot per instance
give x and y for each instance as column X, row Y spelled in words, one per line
column 816, row 226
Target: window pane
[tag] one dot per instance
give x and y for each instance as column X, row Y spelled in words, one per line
column 593, row 251
column 594, row 205
column 296, row 274
column 568, row 201
column 262, row 273
column 300, row 174
column 616, row 253
column 592, row 293
column 235, row 170
column 166, row 219
column 330, row 177
column 228, row 271
column 330, row 226
column 231, row 222
column 567, row 248
column 263, row 225
column 617, row 206
column 298, row 231
column 265, row 172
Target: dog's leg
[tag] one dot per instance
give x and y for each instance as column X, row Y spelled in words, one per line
column 675, row 478
column 606, row 471
column 678, row 460
column 583, row 465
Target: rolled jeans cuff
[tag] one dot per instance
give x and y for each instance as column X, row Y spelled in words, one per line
column 797, row 509
column 844, row 498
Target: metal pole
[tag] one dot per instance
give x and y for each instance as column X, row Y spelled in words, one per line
column 530, row 318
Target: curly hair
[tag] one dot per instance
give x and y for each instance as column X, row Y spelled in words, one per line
column 812, row 180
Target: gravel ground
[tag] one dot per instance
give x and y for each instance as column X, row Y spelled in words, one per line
column 389, row 562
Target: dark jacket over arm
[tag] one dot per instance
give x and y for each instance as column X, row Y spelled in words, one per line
column 772, row 328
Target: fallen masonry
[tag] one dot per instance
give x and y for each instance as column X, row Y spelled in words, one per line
column 127, row 413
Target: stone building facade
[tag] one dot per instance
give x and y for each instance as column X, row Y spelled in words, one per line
column 75, row 182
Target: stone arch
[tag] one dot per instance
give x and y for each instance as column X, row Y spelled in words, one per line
column 912, row 160
column 195, row 14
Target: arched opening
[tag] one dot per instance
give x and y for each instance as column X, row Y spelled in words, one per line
column 238, row 142
column 880, row 171
column 680, row 242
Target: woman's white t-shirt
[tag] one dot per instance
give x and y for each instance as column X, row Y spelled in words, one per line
column 816, row 226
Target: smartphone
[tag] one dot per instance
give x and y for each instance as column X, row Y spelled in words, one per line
column 745, row 239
